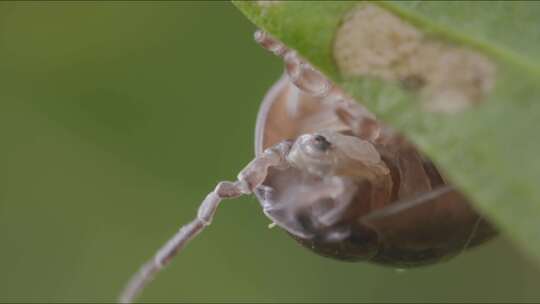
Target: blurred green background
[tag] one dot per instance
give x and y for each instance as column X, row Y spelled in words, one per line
column 117, row 118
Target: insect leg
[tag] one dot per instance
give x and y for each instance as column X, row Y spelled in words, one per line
column 300, row 72
column 312, row 82
column 361, row 122
column 400, row 206
column 248, row 179
column 473, row 232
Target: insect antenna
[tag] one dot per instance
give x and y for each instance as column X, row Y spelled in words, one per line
column 248, row 179
column 180, row 239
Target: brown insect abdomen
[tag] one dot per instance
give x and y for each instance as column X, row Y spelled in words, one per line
column 407, row 230
column 384, row 228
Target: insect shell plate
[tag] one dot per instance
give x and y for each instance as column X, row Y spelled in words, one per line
column 357, row 213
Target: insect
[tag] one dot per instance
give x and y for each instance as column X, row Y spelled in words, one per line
column 338, row 181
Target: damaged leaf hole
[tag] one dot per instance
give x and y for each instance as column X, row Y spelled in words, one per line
column 372, row 42
column 336, row 179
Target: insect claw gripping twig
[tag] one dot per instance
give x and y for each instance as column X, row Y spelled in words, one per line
column 248, row 179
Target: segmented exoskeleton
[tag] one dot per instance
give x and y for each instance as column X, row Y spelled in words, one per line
column 338, row 181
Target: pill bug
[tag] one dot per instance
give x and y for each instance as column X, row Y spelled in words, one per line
column 337, row 180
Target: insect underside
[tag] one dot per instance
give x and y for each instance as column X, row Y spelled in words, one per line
column 338, row 181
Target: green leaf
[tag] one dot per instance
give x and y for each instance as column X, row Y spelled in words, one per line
column 491, row 151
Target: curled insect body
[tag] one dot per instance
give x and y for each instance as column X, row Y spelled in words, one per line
column 338, row 181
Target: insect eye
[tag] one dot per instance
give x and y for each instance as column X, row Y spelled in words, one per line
column 321, row 143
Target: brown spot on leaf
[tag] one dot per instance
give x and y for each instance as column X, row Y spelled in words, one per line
column 413, row 82
column 373, row 42
column 370, row 41
column 267, row 3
